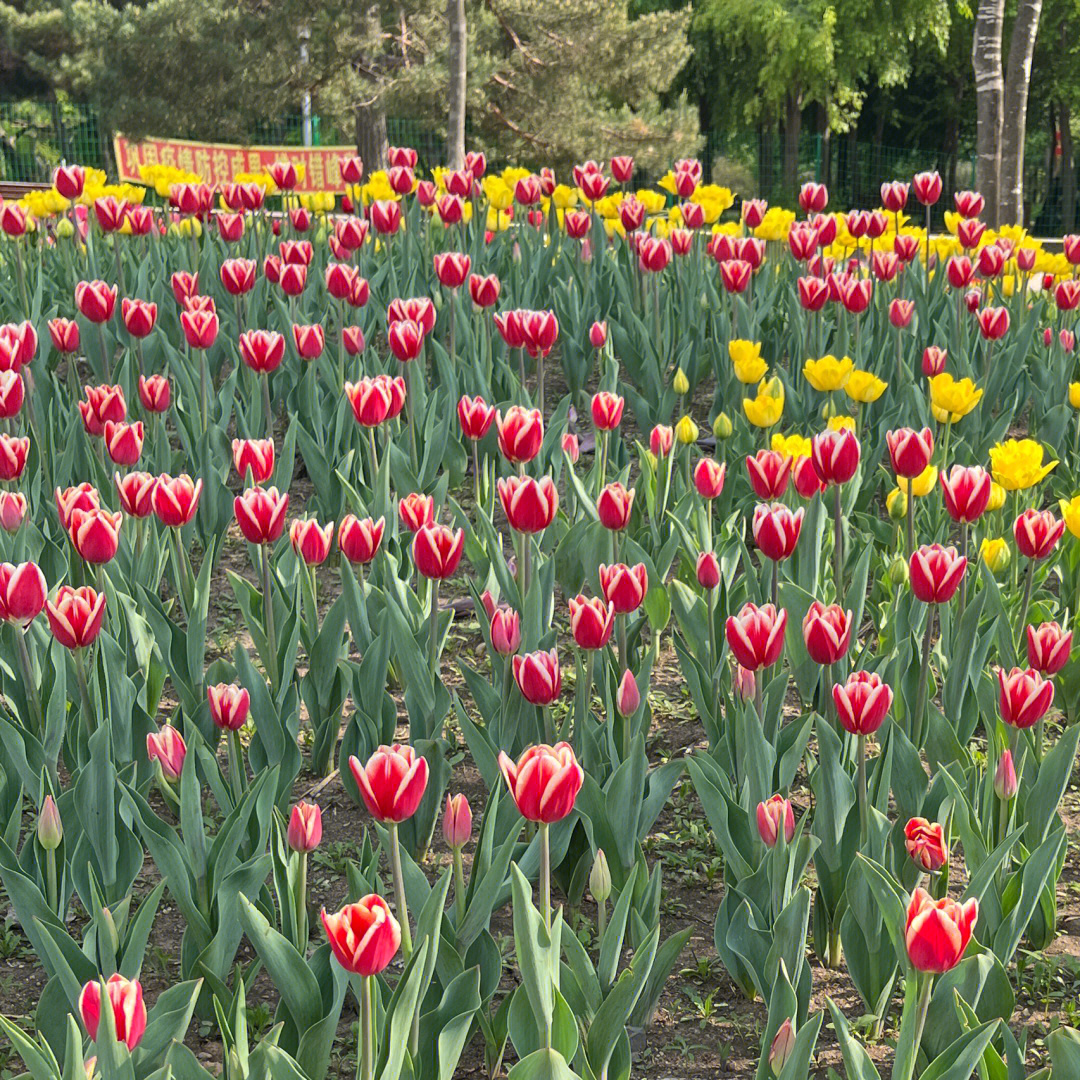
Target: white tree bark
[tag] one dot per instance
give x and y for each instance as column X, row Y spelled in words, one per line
column 989, row 101
column 1014, row 129
column 458, row 65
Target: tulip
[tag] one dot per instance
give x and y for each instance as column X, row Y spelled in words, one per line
column 521, row 433
column 776, row 530
column 457, row 823
column 905, row 247
column 709, row 477
column 598, row 334
column 392, row 782
column 756, row 635
column 529, row 505
column 83, row 497
column 238, row 276
column 773, row 816
column 229, row 706
column 22, row 593
column 900, row 313
column 437, row 551
column 64, row 334
column 812, row 292
column 386, row 216
column 475, row 417
column 293, row 278
column 262, row 350
column 176, row 498
column 311, row 541
column 607, row 410
column 813, row 198
column 826, row 633
column 12, row 394
column 969, row 233
column 969, row 204
column 926, row 845
column 591, row 622
column 364, row 937
column 1048, row 647
column 135, row 491
column 125, row 999
column 937, row 934
column 359, row 539
column 927, row 187
column 95, row 534
column 570, row 447
column 769, row 472
column 123, row 441
column 661, row 440
column 862, row 702
column 993, row 322
column 544, row 782
column 1006, row 784
column 375, row 400
column 628, row 696
column 1037, row 533
column 260, row 514
column 959, row 271
column 933, row 361
column 452, row 269
column 1024, row 697
column 96, row 300
column 910, row 451
column 613, row 506
column 505, row 631
column 154, row 393
column 735, row 275
column 304, row 833
column 168, row 749
column 13, row 451
column 352, row 337
column 936, row 573
column 538, row 677
column 256, row 455
column 309, row 341
column 416, row 510
column 12, row 510
column 707, row 569
column 966, row 492
column 103, row 403
column 484, row 290
column 624, row 586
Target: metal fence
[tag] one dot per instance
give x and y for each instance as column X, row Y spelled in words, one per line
column 35, row 136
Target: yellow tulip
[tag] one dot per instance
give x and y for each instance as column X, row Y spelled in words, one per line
column 1017, row 464
column 792, row 446
column 922, row 485
column 1074, row 394
column 864, row 387
column 828, row 373
column 775, row 224
column 1070, row 513
column 840, row 422
column 680, row 384
column 747, row 360
column 686, row 431
column 564, row 196
column 896, row 504
column 995, row 553
column 952, row 399
column 997, row 497
column 767, row 408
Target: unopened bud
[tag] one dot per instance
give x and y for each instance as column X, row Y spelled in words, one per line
column 721, row 426
column 899, row 571
column 896, row 504
column 600, row 878
column 686, row 431
column 782, row 1046
column 50, row 830
column 457, row 821
column 1005, row 782
column 629, row 697
column 745, row 682
column 680, row 384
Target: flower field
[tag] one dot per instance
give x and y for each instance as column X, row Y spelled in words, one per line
column 498, row 623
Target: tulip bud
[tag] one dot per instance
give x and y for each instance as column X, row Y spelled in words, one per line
column 457, row 822
column 600, row 877
column 305, row 827
column 686, row 431
column 708, row 570
column 722, row 427
column 782, row 1046
column 745, row 683
column 629, row 697
column 680, row 384
column 899, row 573
column 50, row 830
column 896, row 504
column 995, row 553
column 1005, row 782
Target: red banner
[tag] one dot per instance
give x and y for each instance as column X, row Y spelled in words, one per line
column 221, row 163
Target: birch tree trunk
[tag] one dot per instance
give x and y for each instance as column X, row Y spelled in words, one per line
column 455, row 125
column 1014, row 128
column 989, row 101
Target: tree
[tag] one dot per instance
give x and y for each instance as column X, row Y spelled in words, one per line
column 457, row 87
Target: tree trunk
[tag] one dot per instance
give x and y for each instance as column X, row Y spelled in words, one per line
column 989, row 101
column 458, row 60
column 371, row 135
column 950, row 146
column 1068, row 172
column 1014, row 128
column 766, row 162
column 792, row 134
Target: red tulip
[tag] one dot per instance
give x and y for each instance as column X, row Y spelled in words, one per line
column 102, row 404
column 262, row 350
column 12, row 510
column 510, row 327
column 756, row 635
column 855, row 294
column 959, row 271
column 966, row 491
column 529, row 505
column 901, row 312
column 484, row 290
column 613, row 506
column 969, row 233
column 776, row 530
column 753, row 212
column 631, row 213
column 622, row 168
column 862, row 702
column 69, row 180
column 707, row 569
column 774, row 815
column 310, row 540
column 540, row 330
column 416, row 510
column 353, row 339
column 591, row 621
column 304, row 833
column 392, row 783
column 885, row 265
column 933, row 360
column 111, row 213
column 905, row 247
column 230, row 226
column 769, row 472
column 1025, row 259
column 168, row 749
column 135, row 491
column 12, row 394
column 826, row 633
column 123, row 441
column 927, row 187
column 938, row 931
column 452, row 269
column 577, row 224
column 894, row 195
column 570, row 447
column 544, row 782
column 256, row 455
column 13, row 451
column 624, row 586
column 293, row 279
column 1048, row 647
column 1006, row 783
column 83, row 497
column 936, row 573
column 1037, row 533
column 406, row 339
column 175, row 499
column 260, row 513
column 375, row 400
column 813, row 292
column 709, row 477
column 993, row 323
column 835, row 455
column 139, row 316
column 128, row 1009
column 457, row 822
column 75, row 616
column 813, row 197
column 661, row 440
column 475, row 416
column 607, row 410
column 238, row 276
column 386, row 216
column 96, row 300
column 309, row 341
column 969, row 204
column 735, row 275
column 64, row 334
column 991, row 261
column 521, row 433
column 505, row 631
column 95, row 534
column 926, row 845
column 364, row 937
column 910, row 451
column 351, row 232
column 23, row 592
column 154, row 393
column 359, row 539
column 1024, row 696
column 437, row 551
column 229, row 705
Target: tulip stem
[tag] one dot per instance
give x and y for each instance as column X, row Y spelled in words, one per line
column 300, row 905
column 366, row 1055
column 433, row 631
column 459, row 887
column 838, row 547
column 51, row 892
column 916, row 728
column 864, row 810
column 399, row 890
column 104, row 351
column 964, row 579
column 545, row 873
column 20, row 273
column 909, row 518
column 926, row 980
column 268, row 415
column 476, row 475
column 268, row 618
column 29, row 681
column 1029, row 581
column 84, row 691
column 236, row 766
column 409, row 417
